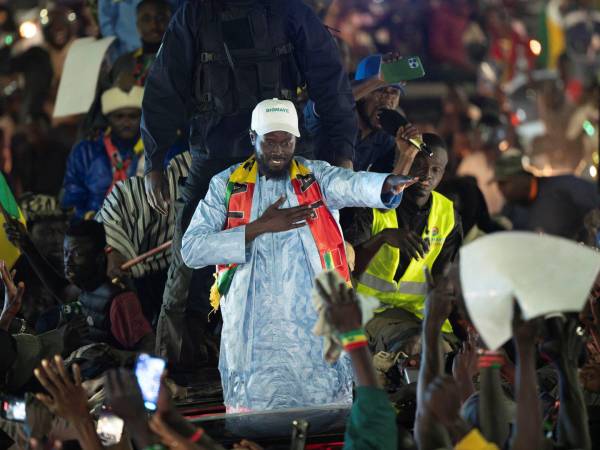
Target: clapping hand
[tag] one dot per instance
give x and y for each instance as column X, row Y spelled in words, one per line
column 66, row 397
column 13, row 296
column 343, row 311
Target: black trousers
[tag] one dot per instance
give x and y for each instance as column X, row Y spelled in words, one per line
column 182, row 322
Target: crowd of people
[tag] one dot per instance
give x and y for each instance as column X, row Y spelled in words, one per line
column 252, row 198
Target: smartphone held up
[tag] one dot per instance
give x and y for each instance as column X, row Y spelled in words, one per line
column 13, row 409
column 148, row 370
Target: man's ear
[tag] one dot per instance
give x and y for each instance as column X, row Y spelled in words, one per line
column 253, row 137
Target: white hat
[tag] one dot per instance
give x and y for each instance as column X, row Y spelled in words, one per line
column 115, row 98
column 275, row 115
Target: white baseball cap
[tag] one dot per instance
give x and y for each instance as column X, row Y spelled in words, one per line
column 275, row 115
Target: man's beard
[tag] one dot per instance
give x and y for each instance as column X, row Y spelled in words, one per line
column 270, row 173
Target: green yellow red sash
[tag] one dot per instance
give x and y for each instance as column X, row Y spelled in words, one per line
column 322, row 224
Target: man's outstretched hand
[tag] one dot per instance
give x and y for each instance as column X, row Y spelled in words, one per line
column 397, row 183
column 157, row 191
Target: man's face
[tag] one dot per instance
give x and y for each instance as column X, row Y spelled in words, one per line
column 152, row 21
column 125, row 123
column 48, row 236
column 369, row 111
column 59, row 30
column 387, row 97
column 82, row 261
column 274, row 152
column 430, row 170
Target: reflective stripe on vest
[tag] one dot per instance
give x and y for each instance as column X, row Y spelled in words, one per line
column 410, row 291
column 406, row 287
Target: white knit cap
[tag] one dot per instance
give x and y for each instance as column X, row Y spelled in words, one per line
column 115, row 98
column 275, row 115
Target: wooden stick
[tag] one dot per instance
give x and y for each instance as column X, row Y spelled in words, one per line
column 138, row 259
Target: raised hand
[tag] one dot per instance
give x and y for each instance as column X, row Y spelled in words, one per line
column 13, row 296
column 66, row 398
column 464, row 366
column 403, row 136
column 124, row 396
column 16, row 232
column 442, row 400
column 343, row 312
column 440, row 299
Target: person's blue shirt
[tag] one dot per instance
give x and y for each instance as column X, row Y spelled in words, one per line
column 118, row 18
column 89, row 173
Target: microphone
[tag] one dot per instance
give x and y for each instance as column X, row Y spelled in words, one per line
column 391, row 120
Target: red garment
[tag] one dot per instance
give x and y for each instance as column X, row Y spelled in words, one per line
column 507, row 50
column 119, row 165
column 447, row 28
column 128, row 324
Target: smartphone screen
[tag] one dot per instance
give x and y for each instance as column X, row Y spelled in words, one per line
column 148, row 370
column 109, row 429
column 405, row 69
column 14, row 409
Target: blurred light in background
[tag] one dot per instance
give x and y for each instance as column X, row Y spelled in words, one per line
column 589, row 128
column 28, row 29
column 72, row 16
column 535, row 46
column 8, row 39
column 593, row 171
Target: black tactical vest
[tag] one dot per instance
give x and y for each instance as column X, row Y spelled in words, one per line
column 96, row 309
column 244, row 56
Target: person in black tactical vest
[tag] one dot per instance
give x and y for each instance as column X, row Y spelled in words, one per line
column 113, row 313
column 218, row 60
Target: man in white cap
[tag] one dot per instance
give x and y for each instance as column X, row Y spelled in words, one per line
column 96, row 165
column 270, row 225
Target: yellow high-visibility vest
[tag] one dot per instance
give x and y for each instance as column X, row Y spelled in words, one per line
column 410, row 291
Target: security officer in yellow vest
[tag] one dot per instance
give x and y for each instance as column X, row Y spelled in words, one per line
column 393, row 247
